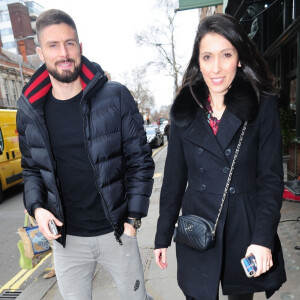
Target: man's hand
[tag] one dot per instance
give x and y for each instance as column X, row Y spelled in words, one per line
column 161, row 258
column 129, row 230
column 42, row 217
column 263, row 258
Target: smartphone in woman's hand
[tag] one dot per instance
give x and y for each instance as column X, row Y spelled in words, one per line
column 249, row 265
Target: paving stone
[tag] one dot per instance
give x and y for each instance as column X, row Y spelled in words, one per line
column 293, row 268
column 287, row 296
column 289, row 261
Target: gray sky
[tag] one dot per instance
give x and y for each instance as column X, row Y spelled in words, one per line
column 107, row 29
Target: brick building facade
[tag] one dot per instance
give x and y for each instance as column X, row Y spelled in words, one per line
column 10, row 76
column 21, row 25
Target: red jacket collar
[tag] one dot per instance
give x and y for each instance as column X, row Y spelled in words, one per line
column 39, row 85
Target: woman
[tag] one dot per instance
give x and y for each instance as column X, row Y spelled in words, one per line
column 226, row 83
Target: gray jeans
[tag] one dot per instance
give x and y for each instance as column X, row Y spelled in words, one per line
column 75, row 266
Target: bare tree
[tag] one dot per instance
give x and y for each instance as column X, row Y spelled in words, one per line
column 162, row 113
column 161, row 37
column 135, row 81
column 165, row 111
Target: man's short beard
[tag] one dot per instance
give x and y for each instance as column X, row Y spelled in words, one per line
column 66, row 76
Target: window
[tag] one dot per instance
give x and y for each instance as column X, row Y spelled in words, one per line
column 34, row 8
column 6, row 31
column 294, row 10
column 4, row 17
column 292, row 58
column 9, row 45
column 19, row 88
column 6, row 91
column 293, row 85
column 1, row 142
column 273, row 23
column 3, row 5
column 14, row 90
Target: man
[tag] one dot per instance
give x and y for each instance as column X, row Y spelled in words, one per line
column 87, row 164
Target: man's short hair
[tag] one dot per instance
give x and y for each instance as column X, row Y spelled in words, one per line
column 53, row 17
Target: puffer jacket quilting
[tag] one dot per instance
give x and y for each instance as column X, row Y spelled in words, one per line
column 114, row 138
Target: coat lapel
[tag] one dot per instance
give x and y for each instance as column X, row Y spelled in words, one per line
column 228, row 128
column 201, row 134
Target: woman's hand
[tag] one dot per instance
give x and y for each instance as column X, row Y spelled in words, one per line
column 263, row 258
column 161, row 257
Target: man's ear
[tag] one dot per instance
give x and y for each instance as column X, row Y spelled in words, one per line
column 40, row 53
column 80, row 45
column 239, row 64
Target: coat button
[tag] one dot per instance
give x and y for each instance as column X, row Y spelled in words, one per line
column 202, row 170
column 227, row 152
column 232, row 190
column 202, row 187
column 226, row 170
column 200, row 151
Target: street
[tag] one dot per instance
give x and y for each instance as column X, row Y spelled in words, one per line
column 11, row 217
column 13, row 280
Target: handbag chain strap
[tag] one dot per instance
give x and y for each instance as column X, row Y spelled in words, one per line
column 230, row 175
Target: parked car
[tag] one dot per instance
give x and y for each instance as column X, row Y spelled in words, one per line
column 155, row 137
column 162, row 128
column 10, row 155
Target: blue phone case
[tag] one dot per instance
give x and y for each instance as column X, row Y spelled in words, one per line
column 249, row 265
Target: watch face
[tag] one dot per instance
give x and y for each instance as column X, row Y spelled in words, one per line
column 137, row 224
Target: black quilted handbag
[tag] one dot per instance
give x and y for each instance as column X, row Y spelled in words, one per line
column 197, row 232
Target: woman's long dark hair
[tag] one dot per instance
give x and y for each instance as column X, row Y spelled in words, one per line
column 253, row 65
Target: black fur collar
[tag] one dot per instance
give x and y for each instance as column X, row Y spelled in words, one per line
column 241, row 100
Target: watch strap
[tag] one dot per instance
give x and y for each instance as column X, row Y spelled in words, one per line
column 130, row 221
column 136, row 223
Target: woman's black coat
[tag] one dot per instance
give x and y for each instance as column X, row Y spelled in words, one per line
column 196, row 171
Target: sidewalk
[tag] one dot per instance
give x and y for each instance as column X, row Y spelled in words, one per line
column 162, row 285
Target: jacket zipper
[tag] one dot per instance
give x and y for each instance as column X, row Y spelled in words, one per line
column 118, row 238
column 27, row 109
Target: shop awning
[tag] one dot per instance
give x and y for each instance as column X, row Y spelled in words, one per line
column 190, row 4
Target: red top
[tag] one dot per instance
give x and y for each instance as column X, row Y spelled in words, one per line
column 212, row 121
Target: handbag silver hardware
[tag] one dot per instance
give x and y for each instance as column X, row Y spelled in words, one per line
column 189, row 228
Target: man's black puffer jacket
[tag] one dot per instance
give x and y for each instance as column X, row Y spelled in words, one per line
column 115, row 141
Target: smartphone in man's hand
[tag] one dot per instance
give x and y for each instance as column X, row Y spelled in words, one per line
column 52, row 227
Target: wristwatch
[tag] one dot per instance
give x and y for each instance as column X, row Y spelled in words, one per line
column 136, row 223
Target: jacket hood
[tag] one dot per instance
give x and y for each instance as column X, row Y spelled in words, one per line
column 39, row 85
column 241, row 99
